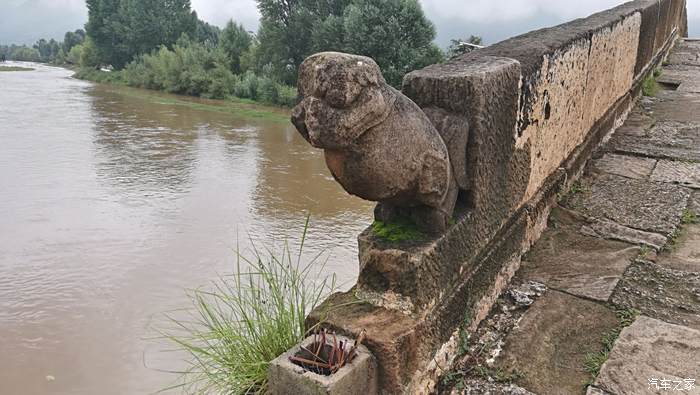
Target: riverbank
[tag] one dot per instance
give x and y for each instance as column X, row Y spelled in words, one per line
column 14, row 68
column 244, row 108
column 248, row 88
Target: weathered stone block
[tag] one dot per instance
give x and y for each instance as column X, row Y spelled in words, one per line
column 684, row 173
column 649, row 206
column 567, row 260
column 625, row 166
column 551, row 340
column 651, row 349
column 357, row 377
column 661, row 293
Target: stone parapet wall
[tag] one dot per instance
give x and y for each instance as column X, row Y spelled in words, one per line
column 569, row 76
column 534, row 108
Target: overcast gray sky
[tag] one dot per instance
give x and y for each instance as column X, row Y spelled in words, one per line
column 25, row 21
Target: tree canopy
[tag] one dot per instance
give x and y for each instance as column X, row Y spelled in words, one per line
column 395, row 33
column 122, row 29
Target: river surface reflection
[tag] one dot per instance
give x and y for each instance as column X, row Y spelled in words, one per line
column 112, row 204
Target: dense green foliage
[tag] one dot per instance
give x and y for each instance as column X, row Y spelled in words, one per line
column 395, row 33
column 123, row 29
column 21, row 53
column 195, row 69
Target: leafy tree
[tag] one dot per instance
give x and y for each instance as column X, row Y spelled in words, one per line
column 122, row 29
column 235, row 41
column 71, row 39
column 395, row 33
column 25, row 54
column 286, row 31
column 74, row 55
column 88, row 54
column 205, row 33
column 47, row 49
column 457, row 46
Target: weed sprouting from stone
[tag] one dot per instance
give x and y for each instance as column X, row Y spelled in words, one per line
column 657, row 73
column 464, row 335
column 498, row 375
column 689, row 217
column 673, row 239
column 644, row 251
column 649, row 86
column 593, row 361
column 402, row 229
column 577, row 187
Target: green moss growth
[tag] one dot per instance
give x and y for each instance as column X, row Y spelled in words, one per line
column 15, row 68
column 402, row 229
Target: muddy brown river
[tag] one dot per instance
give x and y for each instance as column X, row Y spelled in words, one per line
column 114, row 201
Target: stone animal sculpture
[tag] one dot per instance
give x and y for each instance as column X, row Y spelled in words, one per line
column 378, row 144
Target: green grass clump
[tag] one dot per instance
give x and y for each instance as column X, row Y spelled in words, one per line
column 649, row 86
column 594, row 361
column 15, row 68
column 401, row 229
column 689, row 217
column 246, row 320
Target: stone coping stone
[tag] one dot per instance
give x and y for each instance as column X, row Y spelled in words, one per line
column 648, row 206
column 666, row 294
column 565, row 259
column 551, row 341
column 651, row 349
column 357, row 377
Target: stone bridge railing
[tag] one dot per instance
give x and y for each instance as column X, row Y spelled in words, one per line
column 533, row 108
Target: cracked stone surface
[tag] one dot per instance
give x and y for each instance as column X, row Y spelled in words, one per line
column 666, row 294
column 549, row 344
column 648, row 206
column 648, row 349
column 684, row 173
column 614, row 231
column 567, row 260
column 625, row 166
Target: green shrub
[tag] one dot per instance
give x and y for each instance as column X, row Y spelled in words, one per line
column 248, row 319
column 287, row 96
column 268, row 91
column 247, row 88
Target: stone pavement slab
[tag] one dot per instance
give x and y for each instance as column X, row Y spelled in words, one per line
column 666, row 294
column 651, row 349
column 684, row 173
column 551, row 341
column 685, row 254
column 648, row 206
column 566, row 260
column 625, row 166
column 686, row 52
column 666, row 139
